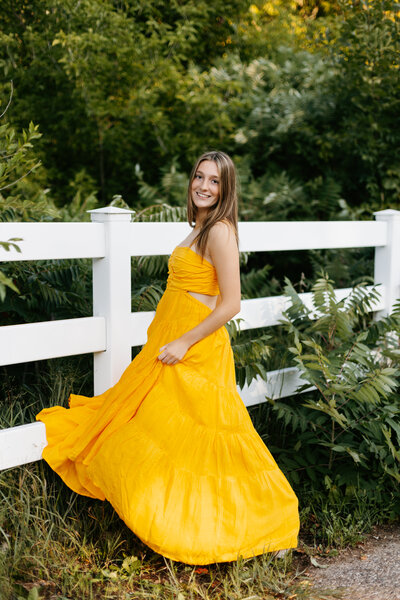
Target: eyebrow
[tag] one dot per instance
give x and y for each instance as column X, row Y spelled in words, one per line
column 202, row 173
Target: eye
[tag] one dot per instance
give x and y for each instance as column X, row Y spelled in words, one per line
column 215, row 181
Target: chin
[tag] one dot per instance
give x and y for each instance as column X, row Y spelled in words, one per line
column 203, row 205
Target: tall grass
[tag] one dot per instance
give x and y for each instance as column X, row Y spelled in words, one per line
column 56, row 545
column 68, row 547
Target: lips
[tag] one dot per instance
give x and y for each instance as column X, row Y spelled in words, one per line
column 202, row 195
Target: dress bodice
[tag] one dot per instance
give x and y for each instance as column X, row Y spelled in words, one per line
column 188, row 271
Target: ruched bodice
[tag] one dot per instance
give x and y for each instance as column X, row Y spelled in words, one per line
column 189, row 272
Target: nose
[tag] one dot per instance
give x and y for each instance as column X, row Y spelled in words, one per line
column 204, row 184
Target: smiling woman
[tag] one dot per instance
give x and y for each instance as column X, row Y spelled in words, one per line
column 171, row 444
column 205, row 186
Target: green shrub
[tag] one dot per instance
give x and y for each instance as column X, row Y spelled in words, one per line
column 344, row 436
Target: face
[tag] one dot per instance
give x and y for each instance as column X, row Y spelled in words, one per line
column 205, row 185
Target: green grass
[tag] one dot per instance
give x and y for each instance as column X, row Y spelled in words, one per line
column 65, row 546
column 56, row 545
column 329, row 527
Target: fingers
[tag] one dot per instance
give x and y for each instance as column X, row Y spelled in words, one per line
column 169, row 360
column 166, row 358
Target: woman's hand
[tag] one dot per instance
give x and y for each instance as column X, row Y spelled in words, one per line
column 173, row 352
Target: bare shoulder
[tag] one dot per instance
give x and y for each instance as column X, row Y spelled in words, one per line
column 222, row 245
column 221, row 232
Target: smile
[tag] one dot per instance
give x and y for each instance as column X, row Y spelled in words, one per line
column 203, row 195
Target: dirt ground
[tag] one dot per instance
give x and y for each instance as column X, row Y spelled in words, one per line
column 370, row 571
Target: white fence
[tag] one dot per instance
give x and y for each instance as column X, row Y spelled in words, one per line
column 110, row 240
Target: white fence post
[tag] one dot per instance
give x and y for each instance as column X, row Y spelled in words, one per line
column 112, row 296
column 387, row 260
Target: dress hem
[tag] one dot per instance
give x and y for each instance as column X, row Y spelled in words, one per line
column 286, row 543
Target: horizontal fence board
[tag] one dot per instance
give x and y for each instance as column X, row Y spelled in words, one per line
column 46, row 241
column 21, row 445
column 257, row 312
column 24, row 444
column 149, row 239
column 310, row 235
column 267, row 312
column 279, row 384
column 267, row 236
column 69, row 337
column 51, row 339
column 86, row 240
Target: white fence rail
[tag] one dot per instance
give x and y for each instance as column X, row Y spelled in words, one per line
column 110, row 240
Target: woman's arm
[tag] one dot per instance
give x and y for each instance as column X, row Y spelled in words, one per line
column 225, row 256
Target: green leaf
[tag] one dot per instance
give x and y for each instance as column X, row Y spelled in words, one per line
column 131, row 564
column 33, row 594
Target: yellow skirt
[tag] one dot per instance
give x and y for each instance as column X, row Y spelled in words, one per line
column 174, row 450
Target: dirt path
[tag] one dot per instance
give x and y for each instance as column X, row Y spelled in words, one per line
column 370, row 571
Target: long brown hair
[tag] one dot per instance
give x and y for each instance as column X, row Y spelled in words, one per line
column 226, row 207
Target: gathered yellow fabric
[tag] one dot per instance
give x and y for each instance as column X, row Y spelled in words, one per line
column 186, row 273
column 173, row 448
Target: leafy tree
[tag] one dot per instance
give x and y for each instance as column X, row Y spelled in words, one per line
column 307, row 91
column 45, row 289
column 366, row 142
column 329, row 113
column 110, row 84
column 16, row 163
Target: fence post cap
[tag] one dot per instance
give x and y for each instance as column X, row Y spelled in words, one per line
column 110, row 213
column 388, row 213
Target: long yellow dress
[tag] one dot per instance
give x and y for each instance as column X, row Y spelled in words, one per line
column 173, row 447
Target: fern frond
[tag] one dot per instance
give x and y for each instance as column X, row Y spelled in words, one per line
column 146, row 297
column 255, row 283
column 151, row 266
column 160, row 213
column 297, row 310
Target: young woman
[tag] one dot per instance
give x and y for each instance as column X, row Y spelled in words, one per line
column 171, row 445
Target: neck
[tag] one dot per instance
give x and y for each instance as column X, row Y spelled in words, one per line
column 200, row 217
